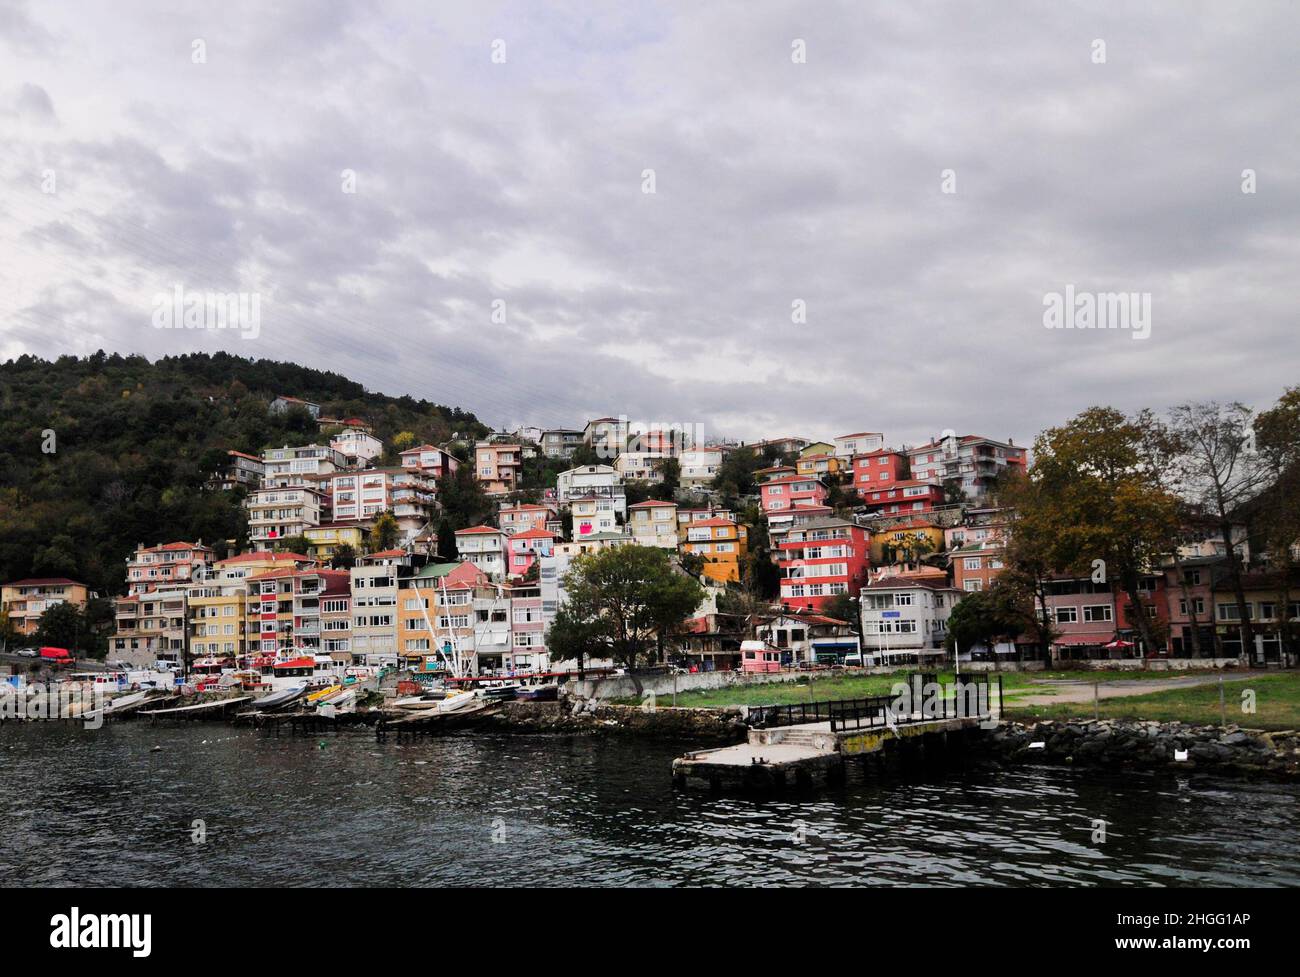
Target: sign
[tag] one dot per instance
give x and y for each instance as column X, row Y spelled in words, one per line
column 891, row 613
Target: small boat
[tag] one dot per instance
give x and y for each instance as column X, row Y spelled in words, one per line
column 320, row 694
column 344, row 701
column 277, row 699
column 501, row 693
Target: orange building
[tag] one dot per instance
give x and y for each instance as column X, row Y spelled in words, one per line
column 723, row 545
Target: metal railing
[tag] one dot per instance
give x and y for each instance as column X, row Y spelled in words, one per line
column 883, row 711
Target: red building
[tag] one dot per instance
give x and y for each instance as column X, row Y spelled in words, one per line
column 878, row 469
column 820, row 559
column 902, row 497
column 788, row 491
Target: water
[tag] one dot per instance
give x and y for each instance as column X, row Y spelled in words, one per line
column 81, row 807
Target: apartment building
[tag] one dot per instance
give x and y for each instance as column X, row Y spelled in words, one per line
column 324, row 540
column 847, row 446
column 287, row 465
column 525, row 548
column 595, row 515
column 976, row 462
column 587, row 481
column 654, row 523
column 788, row 491
column 607, row 436
column 905, row 616
column 224, row 605
column 165, row 566
column 375, row 582
column 275, row 514
column 527, row 630
column 901, row 497
column 498, row 466
column 26, row 601
column 485, row 547
column 150, row 626
column 560, row 442
column 821, row 559
column 523, row 516
column 431, row 460
column 878, row 469
column 700, row 466
column 821, row 464
column 722, row 543
column 239, row 469
column 357, row 445
column 640, row 466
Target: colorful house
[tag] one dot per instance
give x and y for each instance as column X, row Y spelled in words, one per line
column 26, row 601
column 722, row 543
column 526, row 548
column 820, row 559
column 788, row 491
column 654, row 523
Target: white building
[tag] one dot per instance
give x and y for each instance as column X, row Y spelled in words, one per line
column 485, row 547
column 275, row 513
column 906, row 616
column 699, row 467
column 357, row 445
column 848, row 445
column 288, row 465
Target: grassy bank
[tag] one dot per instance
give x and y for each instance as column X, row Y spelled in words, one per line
column 1277, row 704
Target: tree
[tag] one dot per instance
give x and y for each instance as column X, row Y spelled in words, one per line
column 844, row 607
column 975, row 620
column 1277, row 438
column 344, row 558
column 624, row 603
column 447, row 548
column 1221, row 473
column 64, row 626
column 671, row 470
column 384, row 533
column 293, row 544
column 1102, row 506
column 735, row 475
column 465, row 503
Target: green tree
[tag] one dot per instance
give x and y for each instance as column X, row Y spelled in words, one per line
column 384, row 533
column 625, row 603
column 64, row 626
column 344, row 557
column 293, row 544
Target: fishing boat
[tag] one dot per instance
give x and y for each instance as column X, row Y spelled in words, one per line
column 539, row 693
column 321, row 694
column 501, row 693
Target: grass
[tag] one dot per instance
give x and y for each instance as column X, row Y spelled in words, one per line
column 1277, row 703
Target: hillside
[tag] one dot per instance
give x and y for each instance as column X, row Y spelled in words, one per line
column 136, row 440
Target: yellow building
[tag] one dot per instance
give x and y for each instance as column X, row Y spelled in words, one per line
column 223, row 622
column 820, row 465
column 326, row 539
column 906, row 542
column 723, row 545
column 26, row 600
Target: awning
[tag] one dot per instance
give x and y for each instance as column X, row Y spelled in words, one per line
column 297, row 663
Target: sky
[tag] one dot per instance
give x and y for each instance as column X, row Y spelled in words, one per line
column 765, row 218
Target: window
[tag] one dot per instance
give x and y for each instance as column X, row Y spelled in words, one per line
column 1067, row 615
column 1094, row 613
column 973, row 585
column 972, row 563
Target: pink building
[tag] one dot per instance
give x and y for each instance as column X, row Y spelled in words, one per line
column 527, row 547
column 788, row 491
column 168, row 565
column 429, row 459
column 524, row 516
column 527, row 630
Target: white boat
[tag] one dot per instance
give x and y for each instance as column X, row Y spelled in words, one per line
column 282, row 698
column 342, row 702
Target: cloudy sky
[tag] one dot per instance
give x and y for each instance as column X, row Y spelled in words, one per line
column 500, row 153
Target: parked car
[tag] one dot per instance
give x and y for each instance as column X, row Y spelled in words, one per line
column 27, row 652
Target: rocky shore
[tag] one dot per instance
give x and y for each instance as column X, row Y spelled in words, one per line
column 705, row 726
column 1150, row 745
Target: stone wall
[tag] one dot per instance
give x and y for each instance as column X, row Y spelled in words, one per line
column 639, row 686
column 1115, row 743
column 705, row 726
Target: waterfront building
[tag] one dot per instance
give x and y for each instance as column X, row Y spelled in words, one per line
column 906, row 616
column 26, row 601
column 806, row 638
column 375, row 581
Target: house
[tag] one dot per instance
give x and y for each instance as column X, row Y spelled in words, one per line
column 560, row 442
column 686, row 516
column 525, row 515
column 905, row 542
column 485, row 547
column 165, row 566
column 431, row 460
column 820, row 559
column 907, row 495
column 816, row 448
column 780, row 446
column 640, row 466
column 1084, row 616
column 804, row 638
column 699, row 467
column 358, row 446
column 26, row 601
column 286, row 466
column 525, row 548
column 594, row 515
column 1189, row 590
column 325, row 539
column 789, row 491
column 607, row 436
column 711, row 642
column 240, row 469
column 976, row 565
column 974, row 461
column 878, row 469
column 282, row 404
column 762, row 475
column 654, row 523
column 277, row 513
column 723, row 545
column 586, row 481
column 849, row 445
column 224, row 607
column 906, row 616
column 498, row 466
column 821, row 464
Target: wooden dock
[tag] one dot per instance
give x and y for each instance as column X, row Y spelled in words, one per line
column 217, row 709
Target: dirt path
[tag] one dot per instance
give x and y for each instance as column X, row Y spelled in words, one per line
column 1081, row 690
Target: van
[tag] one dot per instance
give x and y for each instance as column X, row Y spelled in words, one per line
column 853, row 660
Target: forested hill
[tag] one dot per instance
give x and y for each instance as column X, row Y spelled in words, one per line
column 136, row 440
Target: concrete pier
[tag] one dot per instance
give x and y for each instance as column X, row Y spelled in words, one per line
column 808, row 755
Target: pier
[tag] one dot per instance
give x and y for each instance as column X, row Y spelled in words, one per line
column 807, row 745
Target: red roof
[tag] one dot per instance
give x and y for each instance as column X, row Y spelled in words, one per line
column 477, row 529
column 273, row 557
column 423, row 447
column 525, row 505
column 297, row 663
column 786, row 479
column 649, row 505
column 385, row 554
column 534, row 534
column 243, row 455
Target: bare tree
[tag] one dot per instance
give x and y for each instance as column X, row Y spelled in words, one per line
column 1221, row 471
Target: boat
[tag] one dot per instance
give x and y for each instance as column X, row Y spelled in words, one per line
column 320, row 694
column 344, row 701
column 277, row 699
column 501, row 693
